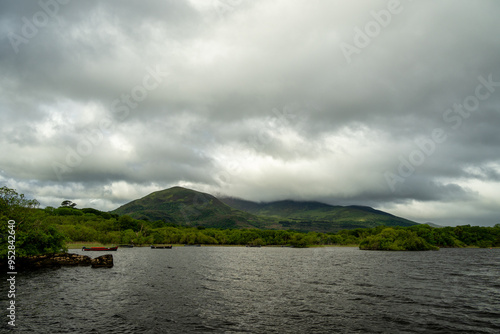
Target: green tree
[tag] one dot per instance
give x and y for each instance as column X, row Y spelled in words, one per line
column 396, row 240
column 68, row 204
column 32, row 235
column 67, row 211
column 16, row 206
column 126, row 222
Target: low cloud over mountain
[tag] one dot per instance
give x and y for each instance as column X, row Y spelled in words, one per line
column 390, row 104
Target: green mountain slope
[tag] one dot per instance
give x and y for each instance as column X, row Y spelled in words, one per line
column 187, row 207
column 317, row 216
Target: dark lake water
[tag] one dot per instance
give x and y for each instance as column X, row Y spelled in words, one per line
column 266, row 290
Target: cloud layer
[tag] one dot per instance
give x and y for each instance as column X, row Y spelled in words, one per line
column 392, row 104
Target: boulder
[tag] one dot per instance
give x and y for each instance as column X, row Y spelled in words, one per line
column 66, row 259
column 53, row 261
column 103, row 261
column 62, row 259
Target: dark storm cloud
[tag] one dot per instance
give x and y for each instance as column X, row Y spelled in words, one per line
column 104, row 102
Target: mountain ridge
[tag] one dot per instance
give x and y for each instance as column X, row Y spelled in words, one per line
column 187, row 207
column 311, row 212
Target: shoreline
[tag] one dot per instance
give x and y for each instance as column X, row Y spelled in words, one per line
column 79, row 245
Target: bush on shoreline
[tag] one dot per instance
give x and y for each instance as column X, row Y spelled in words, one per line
column 396, row 240
column 33, row 235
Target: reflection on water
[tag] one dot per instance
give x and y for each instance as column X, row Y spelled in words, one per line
column 267, row 290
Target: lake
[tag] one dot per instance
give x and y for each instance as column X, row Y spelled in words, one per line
column 265, row 290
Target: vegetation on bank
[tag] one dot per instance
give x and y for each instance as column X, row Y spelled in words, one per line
column 396, row 240
column 40, row 231
column 34, row 234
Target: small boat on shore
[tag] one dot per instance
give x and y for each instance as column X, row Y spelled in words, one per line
column 161, row 247
column 99, row 249
column 126, row 246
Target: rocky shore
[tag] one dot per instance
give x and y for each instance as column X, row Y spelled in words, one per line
column 63, row 259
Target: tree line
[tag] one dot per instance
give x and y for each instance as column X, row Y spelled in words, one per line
column 48, row 230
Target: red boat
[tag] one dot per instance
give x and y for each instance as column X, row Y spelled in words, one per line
column 100, row 248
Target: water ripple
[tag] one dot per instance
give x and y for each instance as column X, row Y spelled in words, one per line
column 274, row 290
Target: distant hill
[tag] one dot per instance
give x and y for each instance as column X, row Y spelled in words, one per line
column 188, row 207
column 433, row 225
column 318, row 216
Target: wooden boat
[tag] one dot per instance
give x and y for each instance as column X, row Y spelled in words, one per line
column 99, row 248
column 161, row 247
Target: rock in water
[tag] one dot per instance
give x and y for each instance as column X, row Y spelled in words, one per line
column 52, row 261
column 103, row 261
column 65, row 259
column 58, row 260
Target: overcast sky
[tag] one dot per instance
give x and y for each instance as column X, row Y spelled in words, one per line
column 391, row 104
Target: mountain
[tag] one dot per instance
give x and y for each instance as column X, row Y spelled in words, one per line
column 318, row 216
column 433, row 225
column 187, row 207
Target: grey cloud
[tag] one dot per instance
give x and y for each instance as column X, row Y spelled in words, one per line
column 259, row 95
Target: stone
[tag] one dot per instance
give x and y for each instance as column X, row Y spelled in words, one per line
column 52, row 261
column 103, row 261
column 61, row 259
